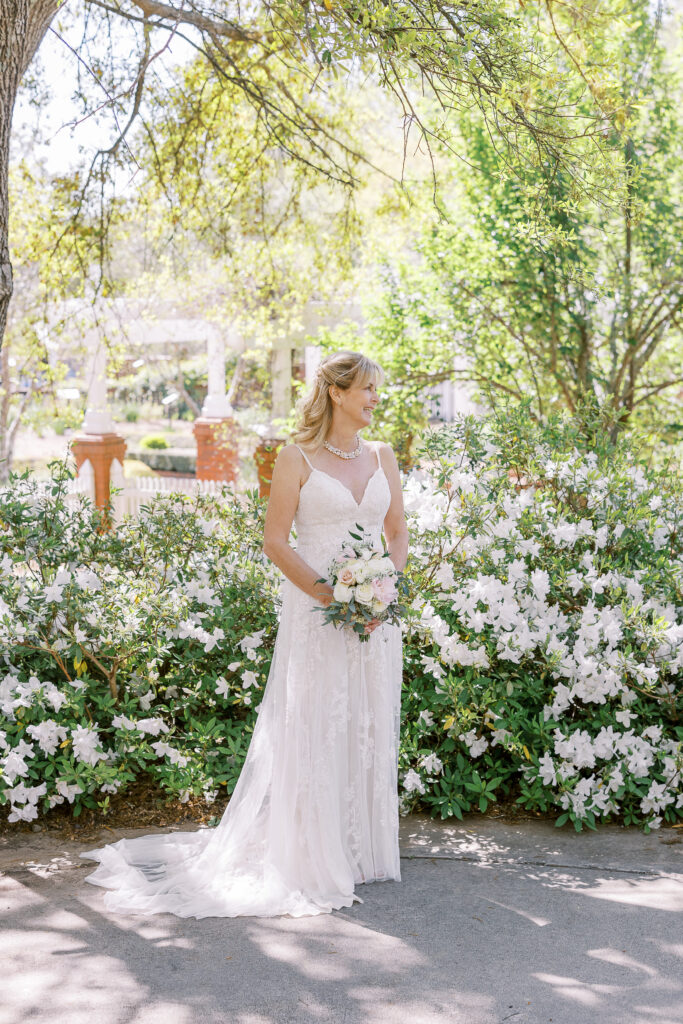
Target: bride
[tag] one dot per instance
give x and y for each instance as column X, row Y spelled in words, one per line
column 315, row 810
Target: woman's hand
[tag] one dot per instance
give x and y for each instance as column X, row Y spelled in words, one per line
column 323, row 594
column 372, row 625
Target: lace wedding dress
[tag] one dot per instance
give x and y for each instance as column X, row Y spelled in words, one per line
column 315, row 810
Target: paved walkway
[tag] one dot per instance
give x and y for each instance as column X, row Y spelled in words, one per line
column 492, row 923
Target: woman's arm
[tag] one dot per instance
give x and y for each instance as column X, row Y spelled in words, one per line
column 284, row 498
column 395, row 526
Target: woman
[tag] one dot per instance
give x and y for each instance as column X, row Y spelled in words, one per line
column 315, row 810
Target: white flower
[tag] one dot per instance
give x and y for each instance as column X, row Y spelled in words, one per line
column 68, row 791
column 162, row 749
column 476, row 746
column 87, row 579
column 54, row 696
column 151, row 726
column 53, row 594
column 222, row 687
column 48, row 735
column 122, row 722
column 252, row 641
column 364, row 593
column 431, row 764
column 342, row 593
column 85, row 744
column 412, row 783
column 426, row 719
column 14, row 766
column 211, row 640
column 26, row 813
column 234, row 665
column 249, row 679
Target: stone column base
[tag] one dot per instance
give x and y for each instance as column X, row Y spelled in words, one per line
column 265, row 455
column 100, row 450
column 217, row 448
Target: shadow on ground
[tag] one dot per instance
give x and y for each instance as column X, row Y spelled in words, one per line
column 484, row 929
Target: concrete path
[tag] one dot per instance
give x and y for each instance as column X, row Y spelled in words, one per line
column 492, row 923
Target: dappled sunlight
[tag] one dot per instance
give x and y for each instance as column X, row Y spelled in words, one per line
column 621, row 958
column 330, row 948
column 462, row 940
column 540, row 922
column 579, row 991
column 662, row 893
column 669, row 948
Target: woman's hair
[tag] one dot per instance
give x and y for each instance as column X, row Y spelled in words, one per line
column 314, row 409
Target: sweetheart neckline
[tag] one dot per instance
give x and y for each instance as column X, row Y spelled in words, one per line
column 314, row 469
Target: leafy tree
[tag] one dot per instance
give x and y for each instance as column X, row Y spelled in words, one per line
column 476, row 54
column 577, row 303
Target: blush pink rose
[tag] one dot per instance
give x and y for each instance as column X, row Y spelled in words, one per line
column 346, row 577
column 384, row 589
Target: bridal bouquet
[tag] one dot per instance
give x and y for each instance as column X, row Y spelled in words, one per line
column 366, row 585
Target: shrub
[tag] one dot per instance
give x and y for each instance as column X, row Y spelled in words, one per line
column 544, row 656
column 140, row 649
column 154, row 441
column 543, row 647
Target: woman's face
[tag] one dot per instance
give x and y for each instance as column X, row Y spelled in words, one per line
column 358, row 403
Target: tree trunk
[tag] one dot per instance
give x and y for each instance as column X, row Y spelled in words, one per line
column 23, row 24
column 5, row 399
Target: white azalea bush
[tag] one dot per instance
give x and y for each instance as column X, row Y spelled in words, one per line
column 128, row 651
column 544, row 654
column 543, row 646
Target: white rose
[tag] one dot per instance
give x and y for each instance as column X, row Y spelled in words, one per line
column 354, row 565
column 342, row 593
column 377, row 565
column 365, row 554
column 364, row 594
column 361, row 573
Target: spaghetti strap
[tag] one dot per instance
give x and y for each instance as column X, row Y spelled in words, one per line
column 304, row 455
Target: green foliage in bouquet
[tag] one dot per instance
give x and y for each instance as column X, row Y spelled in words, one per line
column 367, row 586
column 545, row 649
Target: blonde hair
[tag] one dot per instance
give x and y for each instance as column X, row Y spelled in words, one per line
column 314, row 410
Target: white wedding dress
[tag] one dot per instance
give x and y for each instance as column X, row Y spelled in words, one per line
column 315, row 810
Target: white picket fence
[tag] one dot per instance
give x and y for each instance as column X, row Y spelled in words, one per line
column 84, row 483
column 130, row 493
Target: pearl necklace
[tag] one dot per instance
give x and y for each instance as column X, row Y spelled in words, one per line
column 342, row 454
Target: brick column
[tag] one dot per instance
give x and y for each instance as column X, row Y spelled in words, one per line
column 265, row 455
column 101, row 450
column 217, row 448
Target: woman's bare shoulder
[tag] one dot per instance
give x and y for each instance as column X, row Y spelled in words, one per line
column 291, row 459
column 291, row 455
column 385, row 452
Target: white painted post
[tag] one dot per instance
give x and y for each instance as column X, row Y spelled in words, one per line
column 118, row 483
column 86, row 480
column 97, row 416
column 216, row 404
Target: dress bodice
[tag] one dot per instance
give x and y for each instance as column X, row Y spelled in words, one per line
column 327, row 510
